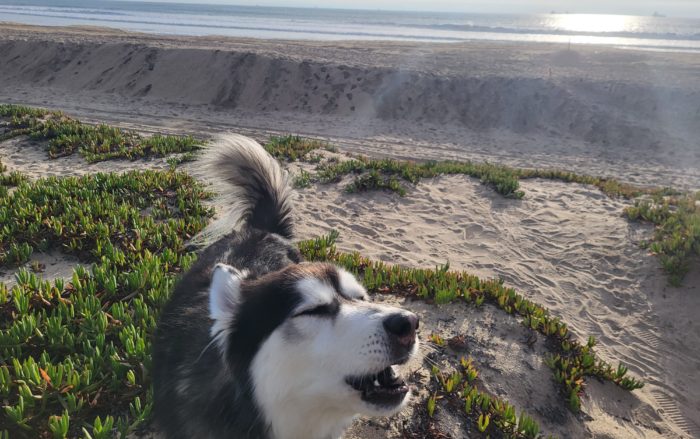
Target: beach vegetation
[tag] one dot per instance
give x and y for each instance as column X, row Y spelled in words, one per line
column 302, row 180
column 176, row 160
column 571, row 361
column 455, row 387
column 372, row 181
column 292, row 148
column 66, row 136
column 386, row 174
column 431, row 405
column 608, row 185
column 12, row 110
column 676, row 238
column 75, row 353
column 676, row 241
column 14, row 178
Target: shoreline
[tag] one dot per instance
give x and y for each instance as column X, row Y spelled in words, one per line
column 461, row 31
column 377, row 52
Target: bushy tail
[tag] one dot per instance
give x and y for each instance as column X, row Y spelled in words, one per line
column 253, row 188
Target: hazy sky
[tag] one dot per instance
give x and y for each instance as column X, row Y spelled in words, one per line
column 639, row 7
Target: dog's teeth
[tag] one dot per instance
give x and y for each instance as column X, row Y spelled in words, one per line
column 392, row 373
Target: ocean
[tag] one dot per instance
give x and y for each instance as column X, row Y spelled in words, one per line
column 653, row 32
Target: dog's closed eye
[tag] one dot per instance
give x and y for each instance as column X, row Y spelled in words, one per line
column 325, row 310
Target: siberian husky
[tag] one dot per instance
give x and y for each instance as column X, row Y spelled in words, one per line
column 257, row 343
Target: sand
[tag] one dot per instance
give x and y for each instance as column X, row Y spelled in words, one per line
column 565, row 246
column 592, row 109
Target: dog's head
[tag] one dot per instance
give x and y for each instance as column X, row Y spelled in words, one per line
column 308, row 335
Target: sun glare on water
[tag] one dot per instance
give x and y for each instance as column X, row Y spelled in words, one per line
column 593, row 23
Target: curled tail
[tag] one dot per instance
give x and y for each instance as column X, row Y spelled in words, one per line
column 253, row 188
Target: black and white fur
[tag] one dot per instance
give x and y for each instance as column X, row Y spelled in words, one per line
column 256, row 343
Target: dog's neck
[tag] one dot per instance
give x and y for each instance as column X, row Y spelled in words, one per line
column 290, row 422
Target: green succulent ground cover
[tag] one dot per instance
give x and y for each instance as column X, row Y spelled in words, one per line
column 676, row 239
column 393, row 175
column 293, row 148
column 370, row 174
column 459, row 389
column 675, row 214
column 75, row 354
column 571, row 361
column 96, row 143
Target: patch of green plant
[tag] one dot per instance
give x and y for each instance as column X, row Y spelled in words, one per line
column 384, row 174
column 504, row 179
column 676, row 239
column 313, row 158
column 14, row 178
column 331, row 148
column 75, row 355
column 12, row 110
column 302, row 180
column 575, row 361
column 489, row 414
column 175, row 161
column 376, row 174
column 17, row 254
column 67, row 136
column 292, row 148
column 375, row 181
column 609, row 186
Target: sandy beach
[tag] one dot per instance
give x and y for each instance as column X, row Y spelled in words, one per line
column 634, row 115
column 597, row 110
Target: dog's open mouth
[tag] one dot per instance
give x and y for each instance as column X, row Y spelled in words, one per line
column 385, row 388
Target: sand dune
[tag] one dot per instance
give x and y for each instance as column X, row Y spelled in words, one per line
column 256, row 82
column 622, row 105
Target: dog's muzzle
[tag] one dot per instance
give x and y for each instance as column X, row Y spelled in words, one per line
column 387, row 388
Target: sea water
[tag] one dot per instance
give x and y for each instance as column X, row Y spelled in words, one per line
column 653, row 32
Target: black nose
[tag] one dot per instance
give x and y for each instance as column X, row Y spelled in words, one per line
column 402, row 326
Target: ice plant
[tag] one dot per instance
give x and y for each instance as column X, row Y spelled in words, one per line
column 571, row 364
column 70, row 349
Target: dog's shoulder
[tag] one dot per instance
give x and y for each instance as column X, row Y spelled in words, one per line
column 188, row 370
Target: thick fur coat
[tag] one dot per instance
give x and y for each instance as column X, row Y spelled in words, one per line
column 256, row 343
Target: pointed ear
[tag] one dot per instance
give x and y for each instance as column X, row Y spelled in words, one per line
column 224, row 294
column 349, row 286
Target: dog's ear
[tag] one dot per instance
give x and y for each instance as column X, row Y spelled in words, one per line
column 349, row 286
column 224, row 295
